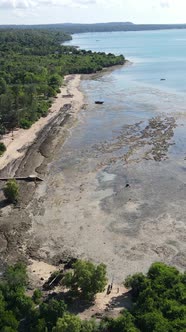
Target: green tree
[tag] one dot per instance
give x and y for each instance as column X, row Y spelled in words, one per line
column 153, row 322
column 16, row 276
column 2, row 148
column 37, row 296
column 86, row 278
column 8, row 322
column 89, row 326
column 55, row 81
column 11, row 191
column 138, row 283
column 124, row 323
column 3, row 86
column 51, row 311
column 69, row 323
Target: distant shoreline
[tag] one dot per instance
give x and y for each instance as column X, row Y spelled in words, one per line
column 72, row 28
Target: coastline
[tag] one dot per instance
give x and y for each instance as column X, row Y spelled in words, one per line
column 19, row 142
column 32, row 151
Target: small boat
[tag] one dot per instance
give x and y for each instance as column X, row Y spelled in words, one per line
column 162, row 79
column 99, row 102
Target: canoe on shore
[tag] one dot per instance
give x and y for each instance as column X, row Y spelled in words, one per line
column 99, row 102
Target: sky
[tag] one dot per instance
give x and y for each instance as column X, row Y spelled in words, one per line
column 92, row 11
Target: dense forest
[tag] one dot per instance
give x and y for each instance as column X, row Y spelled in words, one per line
column 98, row 27
column 32, row 66
column 158, row 301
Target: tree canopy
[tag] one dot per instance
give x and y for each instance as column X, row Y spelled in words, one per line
column 32, row 66
column 158, row 303
column 86, row 278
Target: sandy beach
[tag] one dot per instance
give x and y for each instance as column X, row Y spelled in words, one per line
column 24, row 155
column 20, row 140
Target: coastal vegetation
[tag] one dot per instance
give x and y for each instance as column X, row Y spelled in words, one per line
column 97, row 27
column 11, row 191
column 2, row 148
column 159, row 302
column 32, row 66
column 86, row 279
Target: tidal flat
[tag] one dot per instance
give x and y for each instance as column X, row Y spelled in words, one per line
column 114, row 192
column 115, row 175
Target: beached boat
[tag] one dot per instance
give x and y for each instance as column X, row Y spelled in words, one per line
column 99, row 102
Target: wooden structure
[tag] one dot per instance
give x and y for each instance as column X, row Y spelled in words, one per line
column 99, row 102
column 31, row 178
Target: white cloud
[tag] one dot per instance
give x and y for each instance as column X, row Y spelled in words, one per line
column 55, row 11
column 165, row 4
column 21, row 4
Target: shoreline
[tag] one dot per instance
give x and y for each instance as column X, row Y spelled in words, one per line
column 34, row 154
column 19, row 142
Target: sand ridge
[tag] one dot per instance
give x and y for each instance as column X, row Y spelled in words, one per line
column 20, row 140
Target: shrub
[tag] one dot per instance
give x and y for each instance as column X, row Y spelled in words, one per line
column 25, row 124
column 2, row 130
column 11, row 191
column 37, row 296
column 2, row 148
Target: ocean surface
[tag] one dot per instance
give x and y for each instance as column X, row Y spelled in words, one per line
column 154, row 54
column 116, row 189
column 135, row 92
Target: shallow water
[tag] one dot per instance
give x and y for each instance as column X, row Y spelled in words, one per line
column 116, row 191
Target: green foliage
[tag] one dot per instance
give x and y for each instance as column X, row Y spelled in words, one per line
column 159, row 299
column 51, row 311
column 86, row 278
column 32, row 67
column 89, row 326
column 69, row 323
column 158, row 302
column 124, row 323
column 3, row 86
column 153, row 321
column 16, row 276
column 11, row 191
column 25, row 123
column 37, row 296
column 2, row 148
column 14, row 304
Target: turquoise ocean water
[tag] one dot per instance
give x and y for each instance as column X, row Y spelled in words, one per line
column 135, row 92
column 155, row 55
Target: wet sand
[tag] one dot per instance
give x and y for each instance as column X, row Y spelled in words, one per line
column 29, row 153
column 117, row 201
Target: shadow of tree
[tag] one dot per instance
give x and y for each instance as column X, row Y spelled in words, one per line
column 75, row 304
column 123, row 301
column 4, row 203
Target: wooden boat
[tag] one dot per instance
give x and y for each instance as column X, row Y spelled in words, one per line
column 99, row 102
